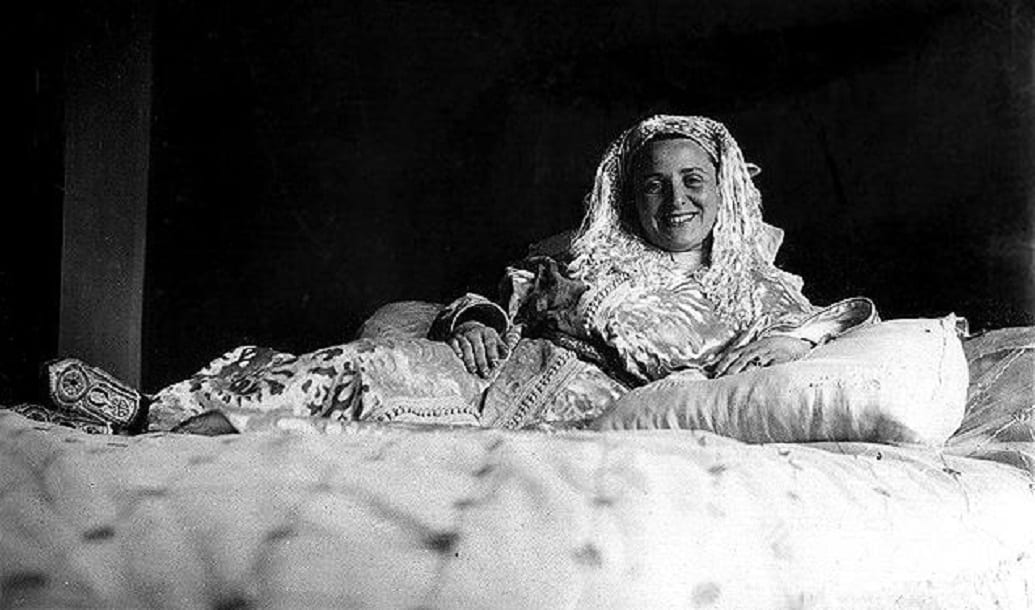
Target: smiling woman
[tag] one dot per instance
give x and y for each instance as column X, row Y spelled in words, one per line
column 674, row 251
column 670, row 273
column 674, row 186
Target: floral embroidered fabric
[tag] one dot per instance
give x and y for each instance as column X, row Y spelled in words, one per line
column 413, row 380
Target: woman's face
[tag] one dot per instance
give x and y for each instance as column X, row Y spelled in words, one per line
column 676, row 193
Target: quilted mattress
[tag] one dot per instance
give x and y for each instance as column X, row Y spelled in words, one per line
column 395, row 517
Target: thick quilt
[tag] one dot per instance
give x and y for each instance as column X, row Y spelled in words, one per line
column 403, row 517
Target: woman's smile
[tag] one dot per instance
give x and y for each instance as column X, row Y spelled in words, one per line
column 677, row 220
column 674, row 186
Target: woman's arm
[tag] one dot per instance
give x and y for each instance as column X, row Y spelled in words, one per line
column 482, row 332
column 791, row 327
column 827, row 323
column 474, row 327
column 468, row 308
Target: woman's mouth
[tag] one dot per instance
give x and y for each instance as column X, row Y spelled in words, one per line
column 676, row 220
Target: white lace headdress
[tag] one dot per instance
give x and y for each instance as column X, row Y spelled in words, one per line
column 742, row 248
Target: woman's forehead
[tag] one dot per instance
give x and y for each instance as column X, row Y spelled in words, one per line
column 671, row 152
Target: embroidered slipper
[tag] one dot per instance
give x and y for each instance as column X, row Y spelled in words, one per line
column 50, row 415
column 83, row 392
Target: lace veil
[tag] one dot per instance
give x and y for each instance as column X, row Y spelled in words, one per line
column 743, row 247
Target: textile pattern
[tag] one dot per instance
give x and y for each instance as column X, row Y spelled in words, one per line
column 424, row 516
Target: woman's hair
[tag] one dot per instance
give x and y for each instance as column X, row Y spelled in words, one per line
column 742, row 245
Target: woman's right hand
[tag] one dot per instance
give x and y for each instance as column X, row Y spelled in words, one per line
column 479, row 346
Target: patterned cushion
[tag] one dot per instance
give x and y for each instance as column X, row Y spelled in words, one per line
column 1000, row 418
column 400, row 320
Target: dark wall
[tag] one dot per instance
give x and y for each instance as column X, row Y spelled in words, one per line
column 312, row 161
column 30, row 203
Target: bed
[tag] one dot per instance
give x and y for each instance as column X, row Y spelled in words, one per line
column 324, row 514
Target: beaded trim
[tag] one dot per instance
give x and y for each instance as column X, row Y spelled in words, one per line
column 411, row 409
column 426, row 408
column 533, row 396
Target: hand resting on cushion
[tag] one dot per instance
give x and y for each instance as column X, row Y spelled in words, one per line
column 761, row 353
column 550, row 304
column 897, row 381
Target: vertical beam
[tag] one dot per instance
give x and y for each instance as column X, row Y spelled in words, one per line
column 1029, row 35
column 107, row 148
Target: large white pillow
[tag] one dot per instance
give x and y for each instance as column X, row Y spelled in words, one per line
column 896, row 381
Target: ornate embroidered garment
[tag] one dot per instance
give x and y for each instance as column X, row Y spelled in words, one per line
column 639, row 314
column 648, row 329
column 389, row 380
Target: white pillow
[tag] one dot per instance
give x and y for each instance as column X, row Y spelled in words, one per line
column 896, row 381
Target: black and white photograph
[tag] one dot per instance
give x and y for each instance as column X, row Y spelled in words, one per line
column 503, row 304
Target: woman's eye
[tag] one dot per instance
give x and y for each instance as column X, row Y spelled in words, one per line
column 692, row 181
column 652, row 187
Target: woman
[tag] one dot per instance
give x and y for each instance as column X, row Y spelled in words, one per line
column 671, row 270
column 674, row 213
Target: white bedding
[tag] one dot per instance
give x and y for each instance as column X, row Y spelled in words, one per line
column 400, row 518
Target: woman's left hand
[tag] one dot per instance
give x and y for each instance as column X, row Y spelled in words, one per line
column 763, row 352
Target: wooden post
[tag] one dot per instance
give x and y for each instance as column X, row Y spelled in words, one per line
column 1031, row 156
column 107, row 149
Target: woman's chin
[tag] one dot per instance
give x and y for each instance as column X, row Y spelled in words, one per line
column 679, row 243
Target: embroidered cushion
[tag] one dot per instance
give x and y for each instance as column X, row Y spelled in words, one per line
column 1000, row 420
column 896, row 381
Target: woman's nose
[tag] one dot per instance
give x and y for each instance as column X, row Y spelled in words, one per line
column 678, row 197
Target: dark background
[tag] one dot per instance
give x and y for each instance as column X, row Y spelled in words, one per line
column 312, row 161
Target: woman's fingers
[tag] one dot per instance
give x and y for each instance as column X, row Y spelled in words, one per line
column 727, row 359
column 481, row 349
column 480, row 361
column 770, row 359
column 504, row 349
column 759, row 361
column 761, row 353
column 492, row 352
column 749, row 357
column 759, row 358
column 467, row 354
column 496, row 349
column 741, row 362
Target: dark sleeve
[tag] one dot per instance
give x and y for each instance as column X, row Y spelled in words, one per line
column 469, row 307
